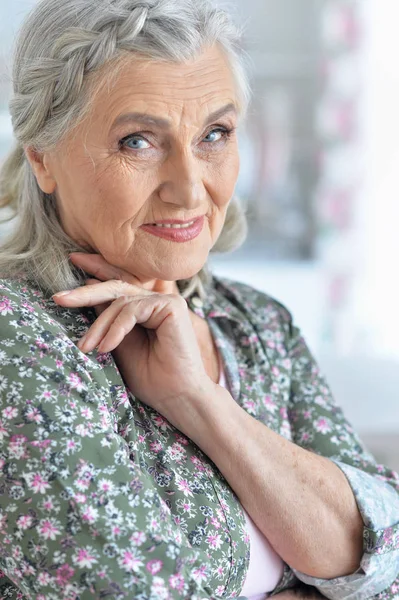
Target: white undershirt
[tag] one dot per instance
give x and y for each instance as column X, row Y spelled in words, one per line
column 265, row 566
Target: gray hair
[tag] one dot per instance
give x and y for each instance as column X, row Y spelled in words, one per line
column 61, row 54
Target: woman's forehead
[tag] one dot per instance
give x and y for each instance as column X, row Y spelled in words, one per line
column 166, row 90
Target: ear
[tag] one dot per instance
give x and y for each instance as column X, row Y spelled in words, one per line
column 39, row 161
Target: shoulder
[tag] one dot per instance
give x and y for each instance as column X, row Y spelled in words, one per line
column 27, row 312
column 260, row 306
column 38, row 350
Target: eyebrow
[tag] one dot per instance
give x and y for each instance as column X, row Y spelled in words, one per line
column 146, row 119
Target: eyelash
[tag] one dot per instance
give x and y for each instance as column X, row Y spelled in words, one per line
column 227, row 132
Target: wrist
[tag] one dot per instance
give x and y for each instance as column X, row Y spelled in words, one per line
column 199, row 414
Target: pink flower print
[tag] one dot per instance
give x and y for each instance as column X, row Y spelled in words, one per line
column 214, row 541
column 388, row 534
column 17, row 553
column 176, row 582
column 48, row 504
column 17, row 447
column 38, row 484
column 5, row 306
column 59, row 363
column 82, row 429
column 90, row 514
column 105, row 485
column 154, row 566
column 269, row 403
column 224, row 506
column 76, row 382
column 138, row 538
column 28, row 570
column 220, row 590
column 275, row 370
column 322, row 425
column 48, row 529
column 64, row 574
column 156, row 446
column 24, row 521
column 186, row 506
column 250, row 406
column 283, row 412
column 87, row 413
column 161, row 422
column 10, row 412
column 84, row 558
column 34, row 415
column 182, row 440
column 198, row 463
column 130, row 562
column 70, row 446
column 43, row 578
column 200, row 574
column 82, row 484
column 184, row 487
column 220, row 570
column 176, row 452
column 215, row 522
column 80, row 498
column 115, row 532
column 28, row 307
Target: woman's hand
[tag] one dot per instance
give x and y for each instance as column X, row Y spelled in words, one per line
column 150, row 334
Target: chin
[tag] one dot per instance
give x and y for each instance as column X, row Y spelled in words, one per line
column 175, row 272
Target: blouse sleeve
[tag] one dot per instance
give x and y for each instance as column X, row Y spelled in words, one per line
column 320, row 426
column 78, row 517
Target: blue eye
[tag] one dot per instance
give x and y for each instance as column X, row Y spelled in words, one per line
column 135, row 142
column 215, row 136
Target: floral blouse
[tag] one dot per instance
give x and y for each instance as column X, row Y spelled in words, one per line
column 102, row 498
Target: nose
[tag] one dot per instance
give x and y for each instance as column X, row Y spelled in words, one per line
column 183, row 182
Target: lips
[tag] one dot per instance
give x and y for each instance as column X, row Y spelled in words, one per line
column 176, row 231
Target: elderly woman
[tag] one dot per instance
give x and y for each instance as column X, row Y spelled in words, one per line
column 164, row 433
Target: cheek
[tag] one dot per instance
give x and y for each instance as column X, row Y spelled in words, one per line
column 117, row 194
column 225, row 179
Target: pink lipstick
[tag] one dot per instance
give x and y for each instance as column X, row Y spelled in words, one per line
column 176, row 231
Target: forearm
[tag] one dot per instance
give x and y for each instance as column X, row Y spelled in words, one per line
column 300, row 501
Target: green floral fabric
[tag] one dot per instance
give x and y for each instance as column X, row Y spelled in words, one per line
column 101, row 497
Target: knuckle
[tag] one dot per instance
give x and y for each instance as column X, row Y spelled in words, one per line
column 178, row 301
column 120, row 288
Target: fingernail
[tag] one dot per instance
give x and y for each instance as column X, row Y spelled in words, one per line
column 61, row 294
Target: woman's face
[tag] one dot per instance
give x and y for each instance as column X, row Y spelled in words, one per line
column 158, row 145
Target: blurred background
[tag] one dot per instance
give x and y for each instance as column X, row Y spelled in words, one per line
column 320, row 181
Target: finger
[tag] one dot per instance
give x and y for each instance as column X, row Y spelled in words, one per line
column 100, row 308
column 102, row 325
column 92, row 281
column 92, row 295
column 100, row 268
column 120, row 327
